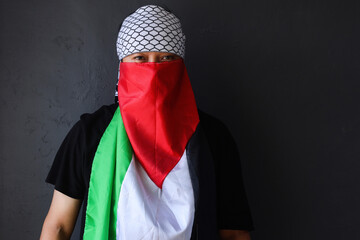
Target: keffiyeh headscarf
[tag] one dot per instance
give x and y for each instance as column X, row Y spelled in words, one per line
column 150, row 28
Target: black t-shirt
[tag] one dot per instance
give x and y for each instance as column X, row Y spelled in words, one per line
column 70, row 172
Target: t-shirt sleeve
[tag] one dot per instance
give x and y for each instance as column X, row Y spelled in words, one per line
column 66, row 173
column 232, row 204
column 233, row 208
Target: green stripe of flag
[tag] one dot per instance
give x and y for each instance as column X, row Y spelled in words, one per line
column 111, row 161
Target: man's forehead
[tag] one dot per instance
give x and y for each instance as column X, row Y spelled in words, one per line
column 152, row 53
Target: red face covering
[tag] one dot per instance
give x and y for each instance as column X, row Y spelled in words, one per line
column 159, row 112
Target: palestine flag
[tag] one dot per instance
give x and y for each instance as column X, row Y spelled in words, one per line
column 140, row 185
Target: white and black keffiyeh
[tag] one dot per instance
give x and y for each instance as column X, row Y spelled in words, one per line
column 150, row 28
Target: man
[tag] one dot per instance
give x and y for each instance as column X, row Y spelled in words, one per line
column 150, row 166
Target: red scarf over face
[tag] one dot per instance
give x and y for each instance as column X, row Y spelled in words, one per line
column 159, row 112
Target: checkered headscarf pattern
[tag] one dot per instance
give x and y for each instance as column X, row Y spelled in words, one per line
column 150, row 28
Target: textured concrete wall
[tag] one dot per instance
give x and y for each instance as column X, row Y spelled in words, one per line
column 283, row 75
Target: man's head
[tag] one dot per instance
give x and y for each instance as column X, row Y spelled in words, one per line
column 150, row 34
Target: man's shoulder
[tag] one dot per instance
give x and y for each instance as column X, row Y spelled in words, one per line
column 103, row 115
column 211, row 123
column 92, row 125
column 217, row 133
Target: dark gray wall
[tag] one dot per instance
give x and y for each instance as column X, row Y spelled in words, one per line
column 283, row 75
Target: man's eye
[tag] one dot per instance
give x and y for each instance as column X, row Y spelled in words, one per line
column 139, row 58
column 168, row 58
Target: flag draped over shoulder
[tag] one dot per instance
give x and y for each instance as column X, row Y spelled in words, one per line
column 124, row 202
